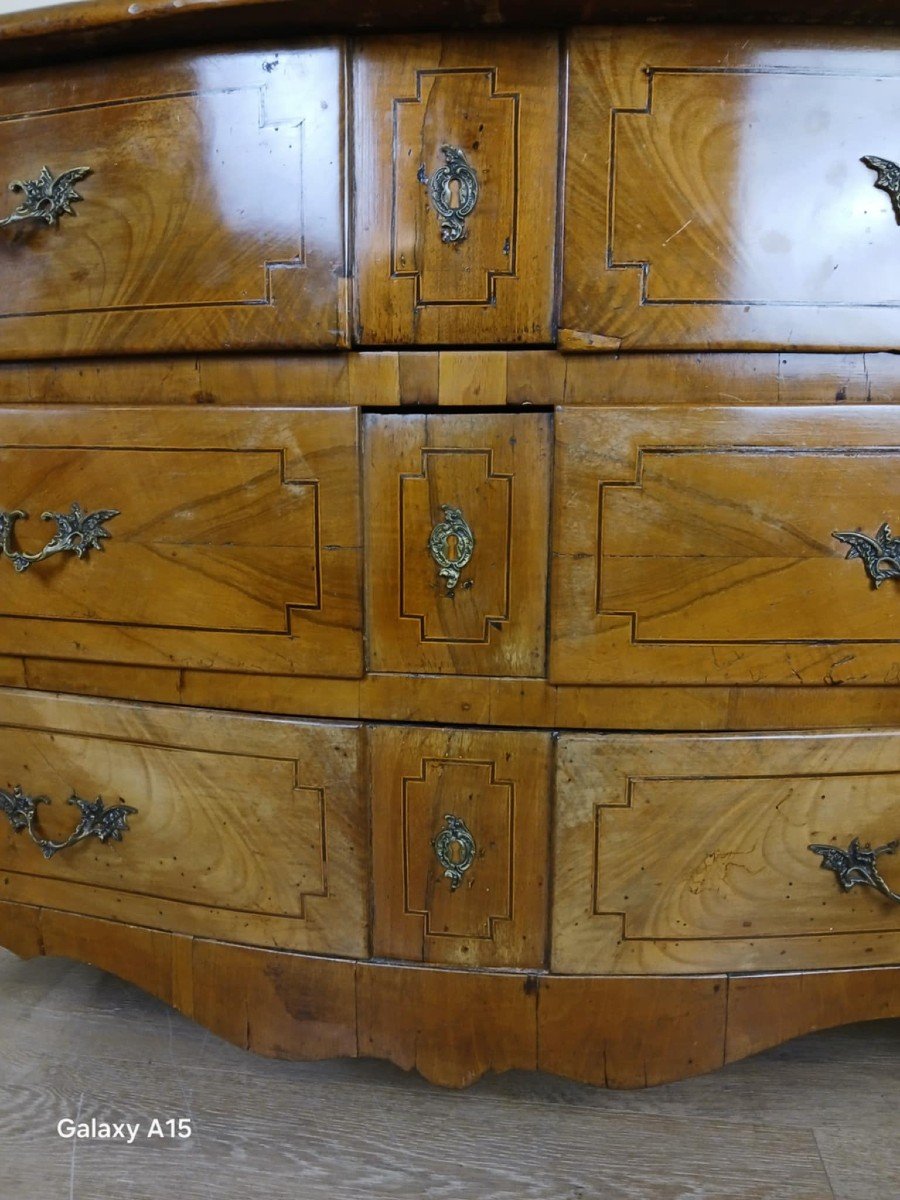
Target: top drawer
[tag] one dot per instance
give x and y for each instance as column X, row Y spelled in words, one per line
column 457, row 144
column 716, row 195
column 211, row 216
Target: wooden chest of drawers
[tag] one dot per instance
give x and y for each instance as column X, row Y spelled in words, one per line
column 432, row 667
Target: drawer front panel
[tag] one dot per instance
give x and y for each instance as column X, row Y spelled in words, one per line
column 459, row 845
column 698, row 547
column 233, row 541
column 211, row 217
column 457, row 514
column 456, row 152
column 233, row 817
column 715, row 193
column 679, row 854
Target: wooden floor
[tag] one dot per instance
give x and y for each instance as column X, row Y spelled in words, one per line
column 815, row 1120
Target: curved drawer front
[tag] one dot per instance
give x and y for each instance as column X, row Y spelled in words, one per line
column 680, row 854
column 457, row 144
column 240, row 828
column 716, row 195
column 699, row 546
column 459, row 845
column 230, row 539
column 457, row 524
column 211, row 216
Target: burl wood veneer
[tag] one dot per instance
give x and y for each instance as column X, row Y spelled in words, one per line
column 463, row 625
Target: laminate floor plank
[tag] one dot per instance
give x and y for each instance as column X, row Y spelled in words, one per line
column 796, row 1123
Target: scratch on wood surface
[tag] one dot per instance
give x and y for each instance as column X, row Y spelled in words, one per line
column 680, row 229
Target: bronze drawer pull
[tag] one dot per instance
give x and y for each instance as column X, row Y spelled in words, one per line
column 887, row 179
column 880, row 555
column 106, row 822
column 76, row 532
column 455, row 849
column 46, row 198
column 856, row 865
column 451, row 537
column 455, row 170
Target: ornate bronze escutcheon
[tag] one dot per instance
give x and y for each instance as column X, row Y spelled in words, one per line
column 451, row 546
column 880, row 555
column 455, row 849
column 46, row 198
column 855, row 866
column 105, row 822
column 887, row 179
column 77, row 532
column 456, row 171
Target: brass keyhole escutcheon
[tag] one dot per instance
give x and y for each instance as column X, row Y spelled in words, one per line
column 455, row 849
column 451, row 545
column 454, row 193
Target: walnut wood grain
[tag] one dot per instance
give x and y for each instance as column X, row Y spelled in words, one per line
column 496, row 100
column 463, row 700
column 496, row 470
column 246, row 828
column 764, row 1010
column 65, row 31
column 237, row 542
column 499, row 785
column 696, row 546
column 452, row 1026
column 212, row 217
column 627, row 1033
column 715, row 195
column 280, row 1005
column 459, row 378
column 681, row 854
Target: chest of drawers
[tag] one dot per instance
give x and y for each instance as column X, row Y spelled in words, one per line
column 464, row 620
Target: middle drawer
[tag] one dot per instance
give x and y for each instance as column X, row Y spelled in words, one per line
column 232, row 538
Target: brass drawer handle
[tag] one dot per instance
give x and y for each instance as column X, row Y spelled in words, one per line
column 456, row 170
column 455, row 849
column 106, row 822
column 880, row 555
column 887, row 179
column 46, row 198
column 856, row 865
column 451, row 545
column 76, row 532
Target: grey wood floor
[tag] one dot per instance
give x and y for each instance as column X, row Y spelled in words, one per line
column 816, row 1120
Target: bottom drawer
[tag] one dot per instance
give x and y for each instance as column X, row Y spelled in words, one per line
column 232, row 817
column 683, row 854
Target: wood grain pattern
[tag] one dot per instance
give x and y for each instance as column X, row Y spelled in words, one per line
column 627, row 1033
column 681, row 854
column 764, row 1010
column 696, row 546
column 715, row 196
column 497, row 102
column 459, row 378
column 237, row 544
column 452, row 1026
column 63, row 32
column 496, row 470
column 280, row 1005
column 247, row 828
column 212, row 217
column 464, row 700
column 498, row 784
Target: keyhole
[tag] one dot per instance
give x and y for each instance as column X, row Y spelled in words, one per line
column 453, row 197
column 457, row 852
column 452, row 547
